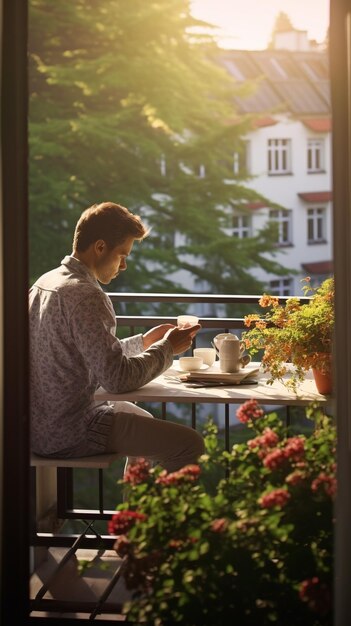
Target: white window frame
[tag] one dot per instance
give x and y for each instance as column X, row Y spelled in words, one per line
column 243, row 226
column 163, row 166
column 280, row 287
column 236, row 163
column 241, row 160
column 279, row 156
column 202, row 171
column 283, row 217
column 315, row 155
column 316, row 224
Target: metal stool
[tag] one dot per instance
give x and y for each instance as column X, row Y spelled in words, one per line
column 65, row 510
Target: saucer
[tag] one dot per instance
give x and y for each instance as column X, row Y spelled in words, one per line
column 179, row 369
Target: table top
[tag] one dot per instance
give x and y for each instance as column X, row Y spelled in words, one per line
column 163, row 389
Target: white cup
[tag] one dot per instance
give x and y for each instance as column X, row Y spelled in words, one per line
column 190, row 363
column 208, row 355
column 184, row 321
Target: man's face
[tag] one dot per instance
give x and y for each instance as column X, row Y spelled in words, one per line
column 111, row 262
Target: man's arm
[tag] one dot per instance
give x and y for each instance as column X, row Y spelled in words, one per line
column 93, row 329
column 138, row 343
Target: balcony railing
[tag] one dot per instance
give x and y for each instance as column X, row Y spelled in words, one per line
column 220, row 322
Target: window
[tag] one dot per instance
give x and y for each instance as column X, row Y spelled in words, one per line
column 315, row 155
column 280, row 287
column 316, row 225
column 283, row 218
column 192, row 169
column 317, row 279
column 241, row 226
column 241, row 160
column 236, row 163
column 279, row 158
column 163, row 166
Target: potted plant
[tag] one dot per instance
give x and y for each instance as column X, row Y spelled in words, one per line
column 244, row 537
column 298, row 334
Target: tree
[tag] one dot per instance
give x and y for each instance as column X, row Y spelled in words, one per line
column 282, row 24
column 127, row 102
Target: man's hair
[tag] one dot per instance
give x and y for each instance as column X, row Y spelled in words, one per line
column 110, row 222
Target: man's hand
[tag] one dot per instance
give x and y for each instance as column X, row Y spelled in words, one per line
column 181, row 338
column 155, row 334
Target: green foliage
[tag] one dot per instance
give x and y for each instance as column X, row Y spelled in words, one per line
column 298, row 333
column 256, row 549
column 115, row 88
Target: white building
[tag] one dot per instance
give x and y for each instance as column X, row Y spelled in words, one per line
column 286, row 158
column 288, row 155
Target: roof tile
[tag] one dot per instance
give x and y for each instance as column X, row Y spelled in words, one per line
column 318, row 124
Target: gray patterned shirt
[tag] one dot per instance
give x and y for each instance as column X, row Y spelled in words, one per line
column 73, row 350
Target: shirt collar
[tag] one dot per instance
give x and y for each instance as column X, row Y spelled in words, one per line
column 78, row 267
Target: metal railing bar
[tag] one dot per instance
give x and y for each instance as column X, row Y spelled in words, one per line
column 164, row 410
column 192, row 297
column 150, row 320
column 101, row 490
column 67, row 540
column 72, row 606
column 226, row 419
column 94, row 514
column 193, row 415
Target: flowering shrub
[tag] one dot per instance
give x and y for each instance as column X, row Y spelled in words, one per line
column 297, row 333
column 254, row 549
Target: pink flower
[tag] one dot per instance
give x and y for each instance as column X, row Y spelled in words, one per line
column 268, row 439
column 175, row 544
column 248, row 411
column 122, row 545
column 326, row 482
column 189, row 473
column 316, row 594
column 122, row 521
column 294, row 448
column 275, row 459
column 137, row 473
column 276, row 497
column 219, row 525
column 295, row 478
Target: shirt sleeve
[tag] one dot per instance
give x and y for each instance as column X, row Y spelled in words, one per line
column 93, row 327
column 132, row 346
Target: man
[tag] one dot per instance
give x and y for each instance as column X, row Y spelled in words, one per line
column 74, row 349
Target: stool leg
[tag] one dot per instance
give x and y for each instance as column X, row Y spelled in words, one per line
column 42, row 591
column 115, row 578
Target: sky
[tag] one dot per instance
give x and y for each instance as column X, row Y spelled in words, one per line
column 248, row 24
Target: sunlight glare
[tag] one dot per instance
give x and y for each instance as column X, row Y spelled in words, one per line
column 248, row 25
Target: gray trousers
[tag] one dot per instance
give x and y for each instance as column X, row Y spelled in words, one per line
column 135, row 433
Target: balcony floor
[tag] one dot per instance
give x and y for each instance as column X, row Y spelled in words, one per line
column 81, row 587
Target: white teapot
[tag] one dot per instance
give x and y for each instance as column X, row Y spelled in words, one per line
column 230, row 350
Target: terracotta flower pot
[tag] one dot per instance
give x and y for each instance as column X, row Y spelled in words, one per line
column 323, row 379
